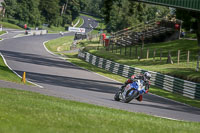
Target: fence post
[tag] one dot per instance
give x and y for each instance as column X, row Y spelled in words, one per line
column 160, row 55
column 169, row 60
column 141, row 53
column 178, row 56
column 147, row 53
column 154, row 54
column 125, row 50
column 112, row 46
column 136, row 54
column 188, row 56
column 120, row 50
column 198, row 59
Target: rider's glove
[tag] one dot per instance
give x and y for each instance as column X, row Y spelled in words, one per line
column 146, row 91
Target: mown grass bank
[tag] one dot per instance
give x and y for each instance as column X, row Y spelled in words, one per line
column 2, row 32
column 60, row 44
column 7, row 75
column 182, row 70
column 23, row 112
column 9, row 25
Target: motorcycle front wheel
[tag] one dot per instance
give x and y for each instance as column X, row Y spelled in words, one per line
column 116, row 97
column 128, row 98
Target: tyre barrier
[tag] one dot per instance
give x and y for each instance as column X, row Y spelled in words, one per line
column 186, row 88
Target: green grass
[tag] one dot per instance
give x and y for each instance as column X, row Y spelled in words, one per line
column 181, row 70
column 190, row 35
column 2, row 32
column 60, row 44
column 54, row 29
column 80, row 22
column 23, row 112
column 7, row 75
column 9, row 25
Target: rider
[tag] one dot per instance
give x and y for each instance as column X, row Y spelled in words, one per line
column 145, row 77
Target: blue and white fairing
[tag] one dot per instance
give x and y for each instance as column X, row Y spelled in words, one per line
column 135, row 86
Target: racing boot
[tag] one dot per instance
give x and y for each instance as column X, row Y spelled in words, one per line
column 139, row 98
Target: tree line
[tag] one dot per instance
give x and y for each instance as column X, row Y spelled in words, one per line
column 37, row 12
column 117, row 14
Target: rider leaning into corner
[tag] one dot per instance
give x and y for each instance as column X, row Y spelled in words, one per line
column 145, row 77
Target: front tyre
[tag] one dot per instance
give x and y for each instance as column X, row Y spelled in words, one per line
column 116, row 97
column 128, row 98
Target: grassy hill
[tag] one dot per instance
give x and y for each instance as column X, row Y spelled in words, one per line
column 182, row 69
column 9, row 25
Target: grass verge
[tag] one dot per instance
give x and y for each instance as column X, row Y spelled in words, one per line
column 182, row 70
column 80, row 22
column 23, row 112
column 8, row 25
column 2, row 32
column 54, row 29
column 60, row 44
column 7, row 75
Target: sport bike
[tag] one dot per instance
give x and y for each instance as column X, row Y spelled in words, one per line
column 130, row 91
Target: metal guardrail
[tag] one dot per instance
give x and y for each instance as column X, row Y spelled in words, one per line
column 169, row 83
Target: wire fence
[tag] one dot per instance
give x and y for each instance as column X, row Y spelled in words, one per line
column 181, row 58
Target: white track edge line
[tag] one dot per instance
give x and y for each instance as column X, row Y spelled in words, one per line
column 4, row 33
column 17, row 73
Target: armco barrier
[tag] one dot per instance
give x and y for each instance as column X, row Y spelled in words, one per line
column 169, row 83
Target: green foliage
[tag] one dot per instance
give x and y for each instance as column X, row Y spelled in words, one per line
column 120, row 14
column 191, row 20
column 38, row 12
column 8, row 25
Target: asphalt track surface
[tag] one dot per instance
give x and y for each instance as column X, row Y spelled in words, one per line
column 62, row 79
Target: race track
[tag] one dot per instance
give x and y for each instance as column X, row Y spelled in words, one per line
column 63, row 79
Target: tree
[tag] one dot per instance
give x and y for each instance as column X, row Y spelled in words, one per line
column 120, row 14
column 191, row 20
column 10, row 7
column 50, row 10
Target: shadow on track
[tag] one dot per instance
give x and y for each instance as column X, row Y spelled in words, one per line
column 38, row 60
column 71, row 82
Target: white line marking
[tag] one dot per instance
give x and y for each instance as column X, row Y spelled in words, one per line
column 4, row 33
column 168, row 118
column 17, row 73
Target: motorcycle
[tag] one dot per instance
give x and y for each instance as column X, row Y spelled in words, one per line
column 130, row 91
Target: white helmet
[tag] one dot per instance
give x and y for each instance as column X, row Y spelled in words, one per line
column 147, row 75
